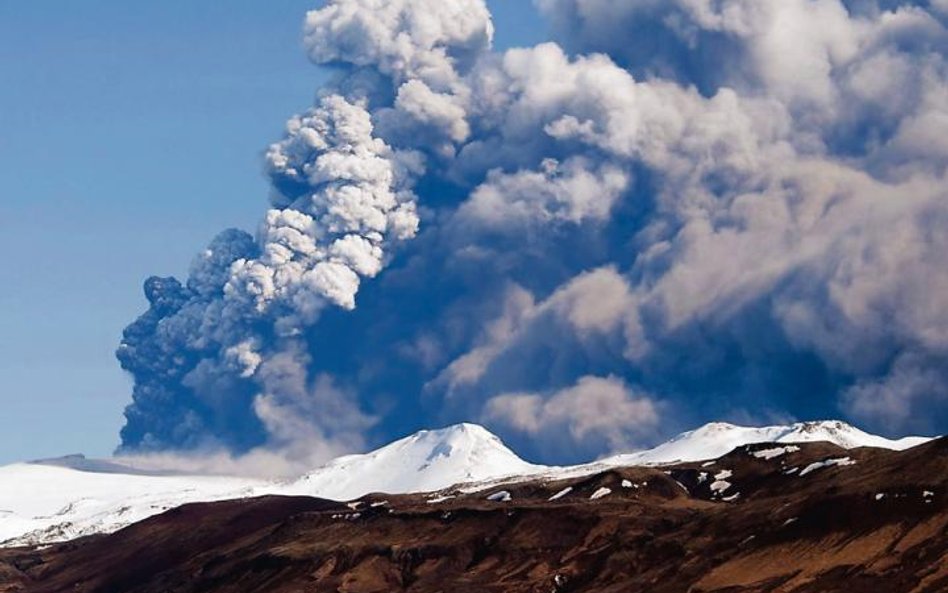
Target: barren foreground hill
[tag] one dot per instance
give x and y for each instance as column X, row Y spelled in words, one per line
column 802, row 518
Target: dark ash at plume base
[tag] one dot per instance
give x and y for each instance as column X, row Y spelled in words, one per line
column 586, row 244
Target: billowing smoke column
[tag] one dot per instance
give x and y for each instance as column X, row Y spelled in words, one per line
column 673, row 212
column 341, row 197
column 223, row 361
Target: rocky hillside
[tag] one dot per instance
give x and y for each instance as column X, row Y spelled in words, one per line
column 802, row 518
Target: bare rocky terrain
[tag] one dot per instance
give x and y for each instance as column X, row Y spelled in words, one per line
column 805, row 518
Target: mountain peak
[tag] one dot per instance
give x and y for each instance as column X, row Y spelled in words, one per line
column 427, row 460
column 819, row 425
column 712, row 427
column 845, row 435
column 463, row 430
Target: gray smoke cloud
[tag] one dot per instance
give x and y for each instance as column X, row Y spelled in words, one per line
column 223, row 360
column 585, row 244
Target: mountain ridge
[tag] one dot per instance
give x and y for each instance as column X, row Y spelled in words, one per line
column 811, row 517
column 717, row 438
column 100, row 500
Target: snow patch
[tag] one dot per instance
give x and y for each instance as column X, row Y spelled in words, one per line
column 602, row 492
column 768, row 454
column 502, row 496
column 561, row 493
column 720, row 483
column 440, row 499
column 839, row 462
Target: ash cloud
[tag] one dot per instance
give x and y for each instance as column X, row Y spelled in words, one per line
column 607, row 224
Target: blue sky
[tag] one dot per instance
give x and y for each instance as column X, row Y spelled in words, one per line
column 130, row 133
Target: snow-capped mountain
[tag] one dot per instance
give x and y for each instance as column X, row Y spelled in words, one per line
column 71, row 497
column 719, row 438
column 423, row 462
column 44, row 502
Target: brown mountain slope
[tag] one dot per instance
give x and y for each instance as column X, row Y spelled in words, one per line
column 870, row 520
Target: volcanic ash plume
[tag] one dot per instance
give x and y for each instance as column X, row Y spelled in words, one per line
column 584, row 244
column 341, row 197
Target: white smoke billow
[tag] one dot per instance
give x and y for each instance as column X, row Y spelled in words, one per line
column 676, row 210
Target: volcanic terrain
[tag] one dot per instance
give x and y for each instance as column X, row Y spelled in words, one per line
column 769, row 517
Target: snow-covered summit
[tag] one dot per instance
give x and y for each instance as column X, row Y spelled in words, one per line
column 719, row 438
column 845, row 435
column 425, row 461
